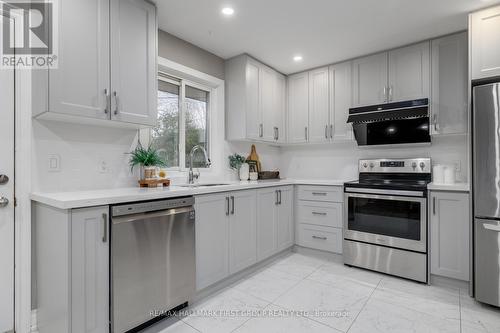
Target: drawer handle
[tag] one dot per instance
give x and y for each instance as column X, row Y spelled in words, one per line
column 319, row 193
column 319, row 213
column 320, row 237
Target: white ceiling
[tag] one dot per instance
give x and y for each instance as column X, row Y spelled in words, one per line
column 322, row 31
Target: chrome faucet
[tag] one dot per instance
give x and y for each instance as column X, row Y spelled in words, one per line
column 195, row 175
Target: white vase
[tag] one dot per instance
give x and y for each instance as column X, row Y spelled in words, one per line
column 244, row 171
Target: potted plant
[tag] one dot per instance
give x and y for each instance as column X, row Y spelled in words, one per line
column 148, row 159
column 237, row 163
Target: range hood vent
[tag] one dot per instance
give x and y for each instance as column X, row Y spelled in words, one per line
column 392, row 111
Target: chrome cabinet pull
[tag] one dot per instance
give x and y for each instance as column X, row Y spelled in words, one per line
column 105, row 227
column 106, row 94
column 319, row 213
column 385, row 94
column 319, row 193
column 390, row 93
column 117, row 101
column 277, row 133
column 326, row 132
column 227, row 206
column 331, row 131
column 305, row 132
column 3, row 202
column 279, row 193
column 433, row 205
column 319, row 237
column 435, row 122
column 232, row 205
column 276, row 198
column 261, row 130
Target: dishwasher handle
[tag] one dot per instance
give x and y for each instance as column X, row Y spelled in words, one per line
column 149, row 215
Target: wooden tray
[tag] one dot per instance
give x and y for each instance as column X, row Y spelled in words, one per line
column 154, row 182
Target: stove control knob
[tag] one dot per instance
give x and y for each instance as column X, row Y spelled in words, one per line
column 365, row 165
column 414, row 165
column 372, row 165
column 422, row 165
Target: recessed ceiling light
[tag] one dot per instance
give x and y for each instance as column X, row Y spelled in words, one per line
column 297, row 58
column 228, row 11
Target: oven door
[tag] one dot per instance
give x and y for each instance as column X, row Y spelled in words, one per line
column 395, row 221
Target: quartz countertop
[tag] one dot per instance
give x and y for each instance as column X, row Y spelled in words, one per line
column 79, row 199
column 457, row 187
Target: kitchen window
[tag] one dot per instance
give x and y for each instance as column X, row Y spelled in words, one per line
column 183, row 121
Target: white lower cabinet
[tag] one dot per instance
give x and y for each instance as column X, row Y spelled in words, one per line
column 71, row 269
column 285, row 227
column 449, row 234
column 320, row 217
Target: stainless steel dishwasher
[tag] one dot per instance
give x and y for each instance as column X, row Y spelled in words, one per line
column 152, row 260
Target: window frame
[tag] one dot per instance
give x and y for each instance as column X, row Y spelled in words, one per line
column 182, row 83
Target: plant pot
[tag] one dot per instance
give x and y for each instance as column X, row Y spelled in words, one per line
column 148, row 172
column 244, row 171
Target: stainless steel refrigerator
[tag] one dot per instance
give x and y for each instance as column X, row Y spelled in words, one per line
column 486, row 191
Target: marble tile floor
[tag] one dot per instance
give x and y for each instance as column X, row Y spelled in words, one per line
column 303, row 293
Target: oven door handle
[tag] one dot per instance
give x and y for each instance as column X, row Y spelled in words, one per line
column 421, row 200
column 385, row 192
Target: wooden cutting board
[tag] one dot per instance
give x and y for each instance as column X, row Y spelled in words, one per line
column 254, row 157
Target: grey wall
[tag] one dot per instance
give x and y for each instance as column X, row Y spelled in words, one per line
column 189, row 55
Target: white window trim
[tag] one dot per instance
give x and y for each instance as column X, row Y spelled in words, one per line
column 215, row 120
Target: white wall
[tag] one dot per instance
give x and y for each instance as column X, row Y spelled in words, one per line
column 339, row 161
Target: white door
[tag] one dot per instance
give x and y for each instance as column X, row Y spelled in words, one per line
column 340, row 102
column 285, row 225
column 267, row 94
column 449, row 84
column 133, row 62
column 267, row 202
column 90, row 270
column 253, row 114
column 242, row 230
column 318, row 106
column 485, row 50
column 211, row 230
column 370, row 80
column 6, row 197
column 409, row 73
column 298, row 108
column 80, row 85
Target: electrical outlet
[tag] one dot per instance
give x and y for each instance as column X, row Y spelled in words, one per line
column 54, row 163
column 104, row 167
column 457, row 165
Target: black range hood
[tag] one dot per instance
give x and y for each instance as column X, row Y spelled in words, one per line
column 392, row 123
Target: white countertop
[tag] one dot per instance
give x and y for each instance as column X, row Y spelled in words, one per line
column 457, row 187
column 78, row 199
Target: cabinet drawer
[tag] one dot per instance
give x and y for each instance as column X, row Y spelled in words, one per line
column 328, row 214
column 320, row 238
column 321, row 193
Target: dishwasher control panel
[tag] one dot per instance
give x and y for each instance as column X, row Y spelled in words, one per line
column 151, row 206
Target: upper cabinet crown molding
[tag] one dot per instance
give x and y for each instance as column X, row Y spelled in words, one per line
column 107, row 65
column 484, row 29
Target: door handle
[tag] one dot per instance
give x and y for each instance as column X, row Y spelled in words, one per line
column 492, row 227
column 433, row 205
column 3, row 202
column 319, row 237
column 232, row 205
column 279, row 193
column 105, row 228
column 227, row 206
column 117, row 101
column 106, row 95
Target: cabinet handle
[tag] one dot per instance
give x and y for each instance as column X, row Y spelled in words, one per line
column 433, row 205
column 117, row 109
column 385, row 94
column 106, row 94
column 261, row 130
column 319, row 213
column 279, row 201
column 105, row 228
column 276, row 201
column 277, row 133
column 232, row 205
column 331, row 131
column 319, row 237
column 227, row 206
column 435, row 122
column 305, row 132
column 326, row 132
column 390, row 93
column 319, row 193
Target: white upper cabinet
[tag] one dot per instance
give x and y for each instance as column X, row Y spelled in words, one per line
column 298, row 108
column 340, row 102
column 255, row 109
column 409, row 73
column 370, row 80
column 319, row 123
column 449, row 85
column 80, row 85
column 107, row 64
column 484, row 29
column 133, row 62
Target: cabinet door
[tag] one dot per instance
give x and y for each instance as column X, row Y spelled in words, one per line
column 449, row 85
column 285, row 218
column 318, row 106
column 449, row 223
column 298, row 108
column 242, row 230
column 212, row 248
column 267, row 103
column 409, row 73
column 370, row 80
column 267, row 202
column 134, row 85
column 280, row 108
column 253, row 112
column 90, row 270
column 340, row 102
column 485, row 50
column 80, row 84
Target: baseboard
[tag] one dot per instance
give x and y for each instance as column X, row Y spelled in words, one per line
column 34, row 321
column 449, row 282
column 335, row 257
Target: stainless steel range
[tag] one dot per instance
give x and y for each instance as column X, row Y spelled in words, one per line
column 385, row 220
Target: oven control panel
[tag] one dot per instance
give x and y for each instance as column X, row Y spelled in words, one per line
column 412, row 165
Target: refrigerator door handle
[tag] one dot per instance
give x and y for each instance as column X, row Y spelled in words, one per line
column 492, row 227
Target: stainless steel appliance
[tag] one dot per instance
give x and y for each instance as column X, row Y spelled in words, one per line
column 486, row 192
column 153, row 260
column 385, row 219
column 390, row 124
